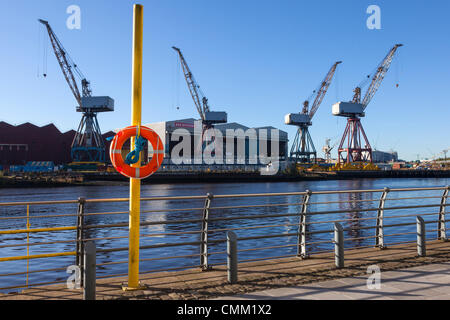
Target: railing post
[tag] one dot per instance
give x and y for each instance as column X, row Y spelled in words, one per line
column 338, row 245
column 89, row 273
column 379, row 240
column 79, row 244
column 204, row 234
column 421, row 237
column 442, row 234
column 232, row 265
column 301, row 234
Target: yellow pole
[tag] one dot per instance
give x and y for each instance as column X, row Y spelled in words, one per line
column 28, row 239
column 135, row 184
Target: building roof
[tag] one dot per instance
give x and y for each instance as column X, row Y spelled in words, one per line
column 46, row 143
column 189, row 125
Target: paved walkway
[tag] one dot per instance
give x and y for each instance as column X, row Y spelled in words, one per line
column 305, row 278
column 428, row 282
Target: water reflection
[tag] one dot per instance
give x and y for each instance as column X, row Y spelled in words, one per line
column 356, row 217
column 169, row 212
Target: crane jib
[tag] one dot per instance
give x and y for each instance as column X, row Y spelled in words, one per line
column 67, row 65
column 201, row 102
column 379, row 76
column 323, row 89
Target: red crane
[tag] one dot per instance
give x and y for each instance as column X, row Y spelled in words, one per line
column 351, row 148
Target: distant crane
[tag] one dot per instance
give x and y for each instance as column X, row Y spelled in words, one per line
column 327, row 148
column 445, row 154
column 355, row 151
column 432, row 154
column 88, row 144
column 208, row 117
column 303, row 150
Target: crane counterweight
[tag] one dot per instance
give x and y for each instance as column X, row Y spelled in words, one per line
column 348, row 109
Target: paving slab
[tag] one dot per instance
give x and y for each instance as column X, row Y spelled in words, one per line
column 268, row 279
column 425, row 282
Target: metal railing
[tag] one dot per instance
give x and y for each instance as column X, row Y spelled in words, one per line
column 180, row 232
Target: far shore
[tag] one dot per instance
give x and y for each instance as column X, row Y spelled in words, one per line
column 108, row 179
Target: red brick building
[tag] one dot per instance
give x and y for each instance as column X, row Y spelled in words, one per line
column 28, row 142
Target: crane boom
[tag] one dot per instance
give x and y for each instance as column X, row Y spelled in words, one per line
column 377, row 78
column 323, row 89
column 66, row 64
column 200, row 104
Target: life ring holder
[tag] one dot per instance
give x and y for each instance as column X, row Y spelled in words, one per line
column 115, row 152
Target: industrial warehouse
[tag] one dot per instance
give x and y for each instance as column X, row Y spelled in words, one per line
column 27, row 142
column 246, row 143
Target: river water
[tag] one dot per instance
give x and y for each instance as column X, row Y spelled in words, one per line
column 170, row 231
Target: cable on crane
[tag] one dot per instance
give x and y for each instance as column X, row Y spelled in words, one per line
column 336, row 81
column 44, row 64
column 42, row 47
column 175, row 86
column 38, row 50
column 177, row 82
column 397, row 70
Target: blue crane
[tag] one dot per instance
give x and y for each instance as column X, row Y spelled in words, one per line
column 88, row 144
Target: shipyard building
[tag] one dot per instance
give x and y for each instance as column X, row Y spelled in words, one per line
column 227, row 144
column 381, row 156
column 24, row 143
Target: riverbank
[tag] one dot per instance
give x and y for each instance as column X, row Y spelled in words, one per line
column 51, row 181
column 104, row 178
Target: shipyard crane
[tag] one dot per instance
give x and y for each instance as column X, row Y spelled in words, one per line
column 327, row 148
column 208, row 117
column 351, row 148
column 303, row 150
column 88, row 144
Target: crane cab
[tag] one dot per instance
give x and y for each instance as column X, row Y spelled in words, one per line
column 297, row 119
column 216, row 117
column 96, row 104
column 348, row 109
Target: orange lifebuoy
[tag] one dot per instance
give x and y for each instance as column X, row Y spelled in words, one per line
column 115, row 152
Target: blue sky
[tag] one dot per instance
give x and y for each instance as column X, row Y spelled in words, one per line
column 256, row 59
